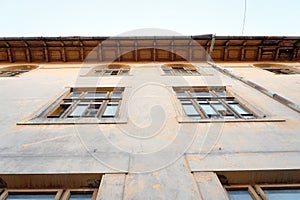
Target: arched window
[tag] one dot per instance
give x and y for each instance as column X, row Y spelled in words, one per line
column 278, row 68
column 16, row 70
column 110, row 70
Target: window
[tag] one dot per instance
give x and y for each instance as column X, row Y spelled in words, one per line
column 80, row 194
column 14, row 194
column 15, row 70
column 82, row 106
column 264, row 192
column 89, row 102
column 211, row 103
column 180, row 69
column 49, row 194
column 50, row 186
column 278, row 68
column 110, row 70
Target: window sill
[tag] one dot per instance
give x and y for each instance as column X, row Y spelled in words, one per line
column 191, row 120
column 55, row 121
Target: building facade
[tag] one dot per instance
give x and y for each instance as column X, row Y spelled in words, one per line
column 150, row 118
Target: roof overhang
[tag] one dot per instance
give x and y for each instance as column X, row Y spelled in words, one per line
column 148, row 48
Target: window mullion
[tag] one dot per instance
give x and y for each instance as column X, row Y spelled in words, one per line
column 196, row 105
column 261, row 193
column 199, row 109
column 58, row 195
column 253, row 193
column 70, row 109
column 212, row 106
column 4, row 195
column 230, row 108
column 102, row 108
column 86, row 109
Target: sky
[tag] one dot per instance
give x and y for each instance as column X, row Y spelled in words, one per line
column 23, row 18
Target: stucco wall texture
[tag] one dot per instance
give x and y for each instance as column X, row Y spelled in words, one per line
column 154, row 154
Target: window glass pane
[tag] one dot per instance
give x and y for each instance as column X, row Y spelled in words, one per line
column 80, row 196
column 110, row 110
column 201, row 94
column 75, row 95
column 208, row 109
column 290, row 194
column 31, row 196
column 116, row 94
column 94, row 95
column 60, row 110
column 219, row 107
column 167, row 72
column 223, row 111
column 114, row 73
column 238, row 109
column 92, row 110
column 239, row 195
column 221, row 94
column 180, row 71
column 181, row 94
column 77, row 112
column 189, row 109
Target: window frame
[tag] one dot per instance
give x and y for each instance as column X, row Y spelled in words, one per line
column 257, row 191
column 184, row 118
column 43, row 116
column 189, row 69
column 6, row 192
column 19, row 70
column 60, row 194
column 249, row 188
column 68, row 192
column 103, row 70
column 273, row 67
column 211, row 100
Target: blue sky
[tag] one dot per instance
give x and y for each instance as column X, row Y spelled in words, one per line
column 112, row 17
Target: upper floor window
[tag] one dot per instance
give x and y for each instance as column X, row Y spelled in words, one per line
column 89, row 102
column 110, row 70
column 83, row 105
column 49, row 194
column 278, row 68
column 15, row 70
column 180, row 69
column 265, row 192
column 211, row 103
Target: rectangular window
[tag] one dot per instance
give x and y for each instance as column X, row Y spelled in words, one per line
column 282, row 193
column 109, row 70
column 277, row 70
column 89, row 102
column 211, row 103
column 49, row 194
column 13, row 194
column 263, row 192
column 239, row 195
column 82, row 195
column 15, row 70
column 181, row 69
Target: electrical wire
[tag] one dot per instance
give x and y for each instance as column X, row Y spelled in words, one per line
column 244, row 20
